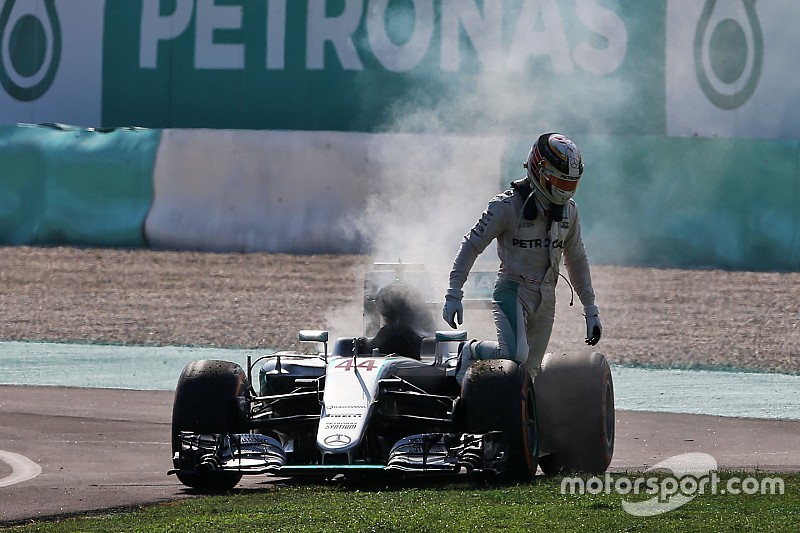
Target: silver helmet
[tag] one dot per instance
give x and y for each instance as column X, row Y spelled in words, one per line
column 555, row 167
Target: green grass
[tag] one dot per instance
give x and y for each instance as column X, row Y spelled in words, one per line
column 451, row 507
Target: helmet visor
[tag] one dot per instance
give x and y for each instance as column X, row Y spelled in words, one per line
column 560, row 181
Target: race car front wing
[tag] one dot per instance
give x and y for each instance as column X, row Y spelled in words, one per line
column 247, row 453
column 450, row 452
column 251, row 454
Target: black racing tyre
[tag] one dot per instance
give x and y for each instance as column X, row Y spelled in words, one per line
column 208, row 399
column 497, row 395
column 575, row 411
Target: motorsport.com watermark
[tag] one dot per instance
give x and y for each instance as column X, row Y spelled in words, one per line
column 692, row 474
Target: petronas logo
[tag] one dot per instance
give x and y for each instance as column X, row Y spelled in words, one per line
column 30, row 47
column 728, row 51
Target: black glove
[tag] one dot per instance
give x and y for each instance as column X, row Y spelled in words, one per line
column 594, row 329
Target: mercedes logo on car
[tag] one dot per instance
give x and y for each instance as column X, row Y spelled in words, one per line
column 337, row 440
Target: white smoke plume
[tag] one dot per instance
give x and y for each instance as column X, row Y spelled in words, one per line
column 431, row 186
column 427, row 193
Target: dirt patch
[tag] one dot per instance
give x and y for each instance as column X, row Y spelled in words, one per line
column 144, row 297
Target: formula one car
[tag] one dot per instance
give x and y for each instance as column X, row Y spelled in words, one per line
column 389, row 402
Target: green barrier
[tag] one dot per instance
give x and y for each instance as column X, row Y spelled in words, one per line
column 385, row 66
column 687, row 202
column 61, row 185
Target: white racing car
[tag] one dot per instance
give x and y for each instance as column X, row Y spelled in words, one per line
column 389, row 402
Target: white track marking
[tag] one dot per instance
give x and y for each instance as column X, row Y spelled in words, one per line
column 22, row 468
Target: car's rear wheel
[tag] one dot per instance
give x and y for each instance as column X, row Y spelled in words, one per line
column 208, row 399
column 575, row 403
column 497, row 395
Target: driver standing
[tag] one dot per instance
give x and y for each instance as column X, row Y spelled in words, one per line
column 535, row 222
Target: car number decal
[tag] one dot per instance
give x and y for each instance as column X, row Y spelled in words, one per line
column 363, row 364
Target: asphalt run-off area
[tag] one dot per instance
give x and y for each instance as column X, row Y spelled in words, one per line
column 709, row 392
column 87, row 427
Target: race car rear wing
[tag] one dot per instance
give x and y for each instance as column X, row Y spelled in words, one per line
column 416, row 294
column 477, row 289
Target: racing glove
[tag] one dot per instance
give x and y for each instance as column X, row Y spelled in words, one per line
column 594, row 329
column 453, row 309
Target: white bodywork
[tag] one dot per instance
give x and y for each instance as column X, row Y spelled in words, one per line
column 351, row 389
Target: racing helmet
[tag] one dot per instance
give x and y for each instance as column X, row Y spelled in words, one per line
column 555, row 167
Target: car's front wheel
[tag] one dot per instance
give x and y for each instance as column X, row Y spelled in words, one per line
column 497, row 395
column 208, row 397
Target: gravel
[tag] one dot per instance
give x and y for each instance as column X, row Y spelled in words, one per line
column 661, row 317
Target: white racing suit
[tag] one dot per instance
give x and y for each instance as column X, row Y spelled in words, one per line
column 530, row 253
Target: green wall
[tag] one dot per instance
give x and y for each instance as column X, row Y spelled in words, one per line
column 687, row 202
column 372, row 66
column 64, row 185
column 644, row 200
